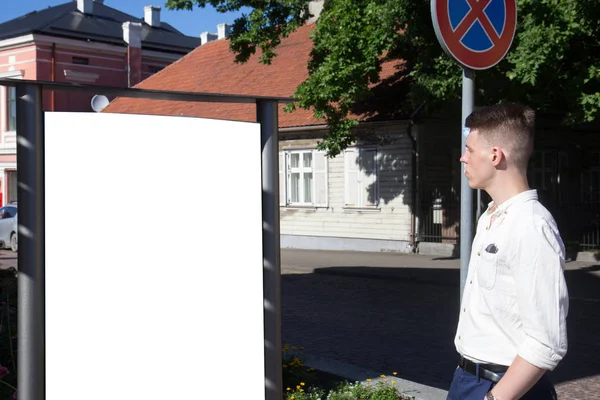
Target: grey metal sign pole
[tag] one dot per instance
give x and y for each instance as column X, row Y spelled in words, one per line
column 31, row 257
column 466, row 193
column 268, row 119
column 449, row 18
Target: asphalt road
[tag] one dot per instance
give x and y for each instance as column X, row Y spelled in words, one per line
column 391, row 312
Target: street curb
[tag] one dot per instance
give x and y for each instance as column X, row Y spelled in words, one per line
column 392, row 275
column 355, row 373
column 588, row 256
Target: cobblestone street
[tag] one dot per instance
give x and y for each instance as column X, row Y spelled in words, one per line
column 403, row 319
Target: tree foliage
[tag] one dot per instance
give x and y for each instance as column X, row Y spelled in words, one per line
column 553, row 64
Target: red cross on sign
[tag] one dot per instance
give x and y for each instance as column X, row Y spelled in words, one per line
column 477, row 34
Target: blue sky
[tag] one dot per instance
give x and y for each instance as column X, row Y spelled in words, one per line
column 191, row 23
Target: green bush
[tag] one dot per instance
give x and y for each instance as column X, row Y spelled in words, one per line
column 382, row 390
column 304, row 383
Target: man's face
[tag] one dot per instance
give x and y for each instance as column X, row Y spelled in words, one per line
column 478, row 157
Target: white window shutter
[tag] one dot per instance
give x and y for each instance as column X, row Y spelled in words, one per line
column 282, row 179
column 368, row 166
column 351, row 169
column 320, row 178
column 288, row 179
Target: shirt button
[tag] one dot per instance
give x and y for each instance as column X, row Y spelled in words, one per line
column 471, row 282
column 459, row 338
column 464, row 310
column 478, row 253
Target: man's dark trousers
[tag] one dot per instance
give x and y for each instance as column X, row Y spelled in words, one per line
column 467, row 386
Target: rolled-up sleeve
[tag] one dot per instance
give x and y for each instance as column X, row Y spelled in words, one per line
column 542, row 295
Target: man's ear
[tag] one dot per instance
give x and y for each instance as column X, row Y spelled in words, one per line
column 497, row 156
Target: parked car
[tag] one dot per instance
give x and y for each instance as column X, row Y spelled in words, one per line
column 9, row 227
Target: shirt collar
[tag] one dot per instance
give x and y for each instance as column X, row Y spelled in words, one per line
column 522, row 197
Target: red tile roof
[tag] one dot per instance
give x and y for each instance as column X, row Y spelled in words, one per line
column 210, row 68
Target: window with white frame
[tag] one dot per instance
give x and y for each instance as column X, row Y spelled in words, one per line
column 361, row 178
column 590, row 180
column 303, row 178
column 542, row 170
column 548, row 172
column 11, row 186
column 11, row 101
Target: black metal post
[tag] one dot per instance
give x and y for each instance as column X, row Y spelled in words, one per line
column 31, row 239
column 267, row 116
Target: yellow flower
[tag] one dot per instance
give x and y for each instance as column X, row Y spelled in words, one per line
column 292, row 398
column 395, row 373
column 297, row 386
column 301, row 383
column 393, row 382
column 288, row 389
column 368, row 379
column 383, row 376
column 301, row 390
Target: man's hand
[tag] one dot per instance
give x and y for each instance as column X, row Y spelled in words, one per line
column 518, row 379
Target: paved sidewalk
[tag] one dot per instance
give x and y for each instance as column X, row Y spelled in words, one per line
column 388, row 312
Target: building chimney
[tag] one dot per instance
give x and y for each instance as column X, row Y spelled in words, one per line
column 132, row 35
column 85, row 6
column 152, row 15
column 206, row 37
column 223, row 31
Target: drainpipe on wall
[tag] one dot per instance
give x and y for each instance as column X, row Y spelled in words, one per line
column 414, row 220
column 53, row 76
column 416, row 195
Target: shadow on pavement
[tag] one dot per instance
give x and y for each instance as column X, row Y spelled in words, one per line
column 404, row 319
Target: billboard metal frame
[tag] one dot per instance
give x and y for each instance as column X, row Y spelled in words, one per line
column 31, row 237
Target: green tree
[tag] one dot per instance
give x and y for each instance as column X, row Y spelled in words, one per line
column 553, row 64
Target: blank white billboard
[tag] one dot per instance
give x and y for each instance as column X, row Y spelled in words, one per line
column 154, row 283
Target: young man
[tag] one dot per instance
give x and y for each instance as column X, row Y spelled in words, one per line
column 512, row 324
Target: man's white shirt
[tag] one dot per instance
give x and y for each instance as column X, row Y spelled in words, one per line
column 515, row 299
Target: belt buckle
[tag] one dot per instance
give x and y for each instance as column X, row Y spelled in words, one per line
column 490, row 375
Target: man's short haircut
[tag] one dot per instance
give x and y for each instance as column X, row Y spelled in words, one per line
column 510, row 126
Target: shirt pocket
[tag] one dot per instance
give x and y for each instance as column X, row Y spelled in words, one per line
column 487, row 270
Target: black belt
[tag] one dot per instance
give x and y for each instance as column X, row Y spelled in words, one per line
column 486, row 371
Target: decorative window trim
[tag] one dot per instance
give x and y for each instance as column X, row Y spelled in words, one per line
column 16, row 74
column 81, row 76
